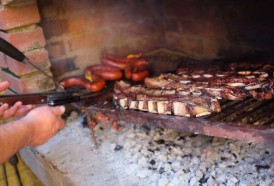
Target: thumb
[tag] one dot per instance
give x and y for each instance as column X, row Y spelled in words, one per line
column 59, row 110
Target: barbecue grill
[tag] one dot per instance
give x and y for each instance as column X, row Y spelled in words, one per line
column 62, row 38
column 249, row 119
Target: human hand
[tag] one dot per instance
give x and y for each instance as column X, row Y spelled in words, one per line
column 45, row 122
column 16, row 110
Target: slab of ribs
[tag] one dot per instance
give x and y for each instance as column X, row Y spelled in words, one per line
column 194, row 92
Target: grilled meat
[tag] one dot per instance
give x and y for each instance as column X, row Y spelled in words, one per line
column 192, row 92
column 164, row 101
column 232, row 85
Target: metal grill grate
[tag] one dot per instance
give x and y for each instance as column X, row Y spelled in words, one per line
column 247, row 112
column 248, row 120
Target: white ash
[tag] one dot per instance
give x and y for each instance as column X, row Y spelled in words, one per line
column 163, row 157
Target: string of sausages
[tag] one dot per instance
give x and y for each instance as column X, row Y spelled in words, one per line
column 132, row 67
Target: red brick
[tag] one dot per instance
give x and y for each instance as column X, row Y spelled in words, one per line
column 26, row 40
column 29, row 84
column 3, row 60
column 18, row 16
column 39, row 57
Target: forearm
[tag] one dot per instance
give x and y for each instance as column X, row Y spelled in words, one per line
column 14, row 136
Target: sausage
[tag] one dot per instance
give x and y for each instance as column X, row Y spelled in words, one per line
column 139, row 76
column 134, row 68
column 128, row 72
column 123, row 59
column 140, row 65
column 104, row 71
column 97, row 86
column 91, row 77
column 76, row 81
column 118, row 64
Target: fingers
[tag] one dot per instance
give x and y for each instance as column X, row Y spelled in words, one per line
column 12, row 110
column 4, row 85
column 23, row 110
column 3, row 108
column 16, row 110
column 58, row 110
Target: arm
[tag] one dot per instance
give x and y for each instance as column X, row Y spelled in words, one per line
column 34, row 129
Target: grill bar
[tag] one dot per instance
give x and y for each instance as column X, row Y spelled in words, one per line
column 260, row 114
column 228, row 111
column 269, row 122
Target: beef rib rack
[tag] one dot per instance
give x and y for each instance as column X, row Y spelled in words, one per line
column 194, row 92
column 164, row 101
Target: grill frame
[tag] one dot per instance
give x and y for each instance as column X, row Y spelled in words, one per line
column 236, row 130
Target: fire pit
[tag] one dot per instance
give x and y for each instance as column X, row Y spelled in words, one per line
column 147, row 155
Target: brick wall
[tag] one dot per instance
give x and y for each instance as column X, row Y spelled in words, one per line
column 78, row 32
column 19, row 25
column 220, row 29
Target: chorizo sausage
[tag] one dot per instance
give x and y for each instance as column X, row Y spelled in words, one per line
column 127, row 59
column 73, row 81
column 128, row 72
column 118, row 64
column 140, row 65
column 139, row 76
column 104, row 71
column 77, row 81
column 91, row 76
column 97, row 85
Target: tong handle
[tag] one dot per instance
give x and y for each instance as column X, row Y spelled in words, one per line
column 55, row 101
column 11, row 51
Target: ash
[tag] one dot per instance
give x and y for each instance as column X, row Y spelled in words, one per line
column 145, row 155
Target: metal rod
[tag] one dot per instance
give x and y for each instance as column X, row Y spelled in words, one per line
column 252, row 110
column 225, row 104
column 255, row 117
column 269, row 122
column 227, row 112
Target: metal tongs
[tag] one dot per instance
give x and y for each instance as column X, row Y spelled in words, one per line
column 52, row 98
